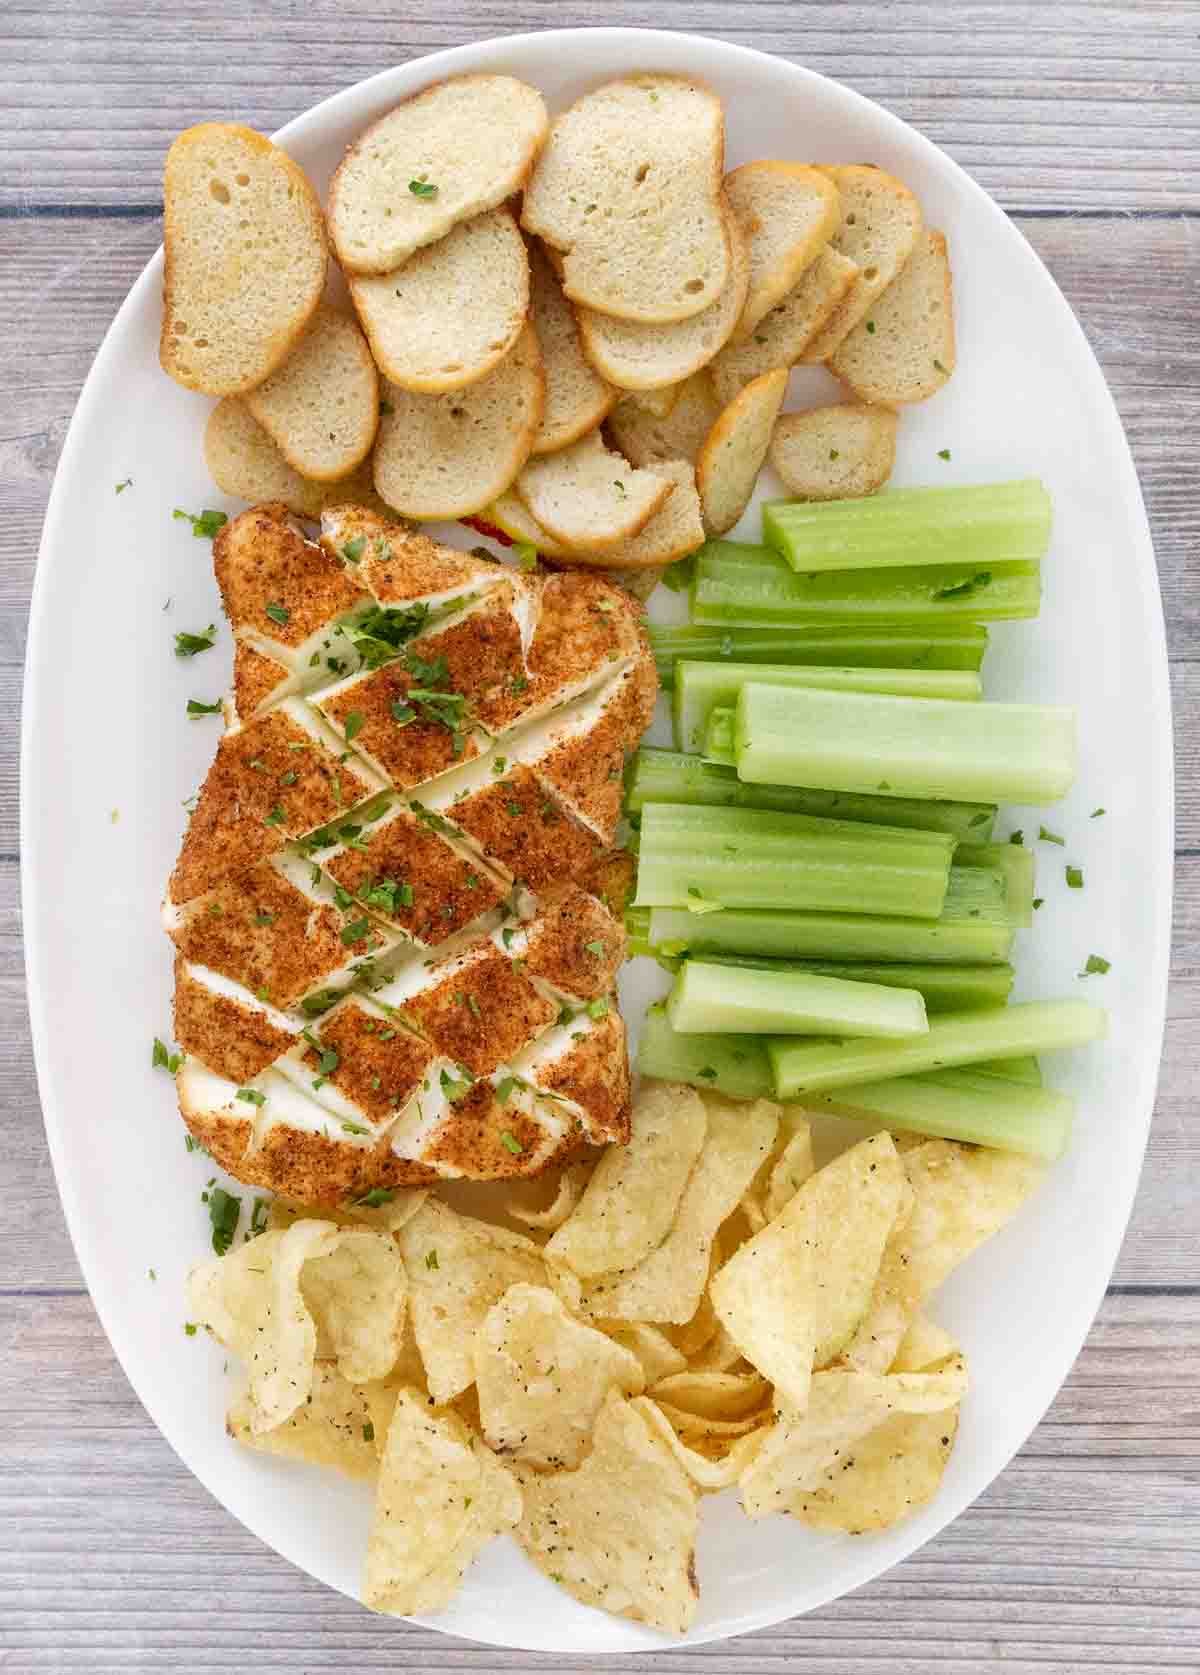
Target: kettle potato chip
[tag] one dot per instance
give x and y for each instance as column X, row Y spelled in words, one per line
column 620, row 1531
column 842, row 1408
column 457, row 1268
column 339, row 1424
column 357, row 1293
column 632, row 1197
column 793, row 1296
column 441, row 1498
column 542, row 1377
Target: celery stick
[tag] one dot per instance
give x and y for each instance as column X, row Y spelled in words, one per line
column 667, row 776
column 1025, row 1069
column 1033, row 1027
column 752, row 587
column 733, row 1065
column 720, row 738
column 701, row 687
column 944, row 988
column 941, row 645
column 1018, row 866
column 915, row 747
column 979, row 524
column 960, row 1105
column 750, row 1000
column 973, row 927
column 704, row 858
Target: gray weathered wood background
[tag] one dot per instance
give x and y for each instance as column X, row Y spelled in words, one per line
column 1084, row 121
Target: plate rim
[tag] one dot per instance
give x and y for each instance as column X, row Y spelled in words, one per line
column 101, row 1286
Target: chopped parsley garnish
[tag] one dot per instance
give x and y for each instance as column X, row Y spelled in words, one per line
column 1016, row 837
column 204, row 524
column 596, row 949
column 120, row 488
column 597, row 1008
column 279, row 614
column 526, row 555
column 196, row 706
column 190, row 645
column 223, row 1212
column 368, row 1432
column 388, row 894
column 161, row 1059
column 431, row 1260
column 517, row 685
column 313, row 1005
column 258, row 1217
column 1096, row 966
column 422, row 187
column 963, row 589
column 504, row 1089
column 330, row 1059
column 454, row 1090
column 1037, row 901
column 1047, row 836
column 678, row 576
column 353, row 725
column 355, row 931
column 432, row 820
column 1096, row 813
column 372, row 1200
column 708, row 1073
column 354, row 1128
column 252, row 1096
column 379, row 636
column 275, row 818
column 353, row 549
column 1075, row 878
column 264, row 918
column 511, row 1143
column 190, row 1328
column 943, row 453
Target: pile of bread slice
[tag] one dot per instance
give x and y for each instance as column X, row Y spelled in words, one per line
column 578, row 331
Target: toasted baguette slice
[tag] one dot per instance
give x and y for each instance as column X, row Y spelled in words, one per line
column 789, row 212
column 731, row 458
column 244, row 462
column 510, row 513
column 589, row 498
column 628, row 189
column 321, row 408
column 650, row 441
column 445, row 155
column 659, row 402
column 577, row 398
column 245, row 258
column 454, row 310
column 672, row 533
column 636, row 356
column 879, row 228
column 780, row 337
column 446, row 456
column 904, row 349
column 834, row 453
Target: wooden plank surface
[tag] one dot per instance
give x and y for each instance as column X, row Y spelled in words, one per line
column 1083, row 119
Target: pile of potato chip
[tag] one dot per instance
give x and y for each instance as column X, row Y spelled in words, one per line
column 700, row 1310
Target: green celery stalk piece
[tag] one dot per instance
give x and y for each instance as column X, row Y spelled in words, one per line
column 733, row 1065
column 977, row 524
column 707, row 858
column 1025, row 1069
column 752, row 1000
column 960, row 1105
column 914, row 747
column 1032, row 1027
column 752, row 587
column 973, row 927
column 669, row 776
column 720, row 733
column 1019, row 867
column 702, row 687
column 944, row 988
column 938, row 645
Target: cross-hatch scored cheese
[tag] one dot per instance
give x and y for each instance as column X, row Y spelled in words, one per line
column 389, row 966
